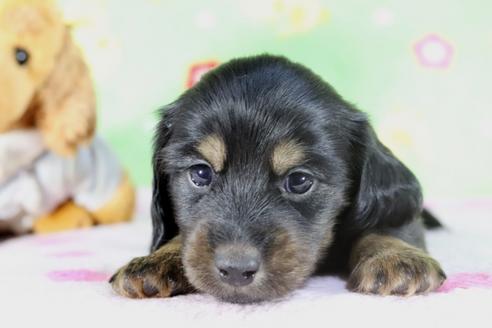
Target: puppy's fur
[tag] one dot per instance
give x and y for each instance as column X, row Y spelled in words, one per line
column 256, row 121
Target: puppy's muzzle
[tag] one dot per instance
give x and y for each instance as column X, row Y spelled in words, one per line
column 237, row 265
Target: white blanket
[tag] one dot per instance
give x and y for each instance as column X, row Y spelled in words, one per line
column 60, row 281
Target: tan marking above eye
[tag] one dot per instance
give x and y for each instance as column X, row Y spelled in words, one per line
column 287, row 155
column 213, row 149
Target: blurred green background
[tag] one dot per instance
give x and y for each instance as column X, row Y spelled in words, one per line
column 422, row 69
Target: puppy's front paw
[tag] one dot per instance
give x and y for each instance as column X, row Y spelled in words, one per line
column 396, row 270
column 160, row 274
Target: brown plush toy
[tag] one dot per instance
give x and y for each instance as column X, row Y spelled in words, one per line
column 54, row 173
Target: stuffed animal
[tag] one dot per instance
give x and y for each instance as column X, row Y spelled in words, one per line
column 55, row 173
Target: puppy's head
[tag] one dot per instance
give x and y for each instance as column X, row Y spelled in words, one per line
column 252, row 166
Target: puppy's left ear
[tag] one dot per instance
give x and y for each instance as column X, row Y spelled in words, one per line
column 386, row 193
column 164, row 227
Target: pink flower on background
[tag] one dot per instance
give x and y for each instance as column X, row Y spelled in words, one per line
column 197, row 70
column 383, row 17
column 206, row 19
column 466, row 280
column 78, row 275
column 434, row 52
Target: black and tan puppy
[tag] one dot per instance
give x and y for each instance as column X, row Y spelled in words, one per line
column 263, row 176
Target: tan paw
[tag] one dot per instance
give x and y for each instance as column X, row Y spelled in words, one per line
column 396, row 271
column 65, row 132
column 160, row 274
column 67, row 217
column 121, row 205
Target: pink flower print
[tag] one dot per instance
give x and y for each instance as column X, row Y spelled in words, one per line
column 78, row 275
column 434, row 52
column 197, row 70
column 466, row 280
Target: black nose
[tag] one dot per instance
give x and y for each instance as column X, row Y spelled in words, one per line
column 237, row 268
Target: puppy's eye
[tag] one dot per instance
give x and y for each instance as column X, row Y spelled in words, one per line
column 21, row 56
column 201, row 175
column 298, row 182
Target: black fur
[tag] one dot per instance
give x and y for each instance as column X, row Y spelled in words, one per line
column 162, row 213
column 253, row 104
column 430, row 221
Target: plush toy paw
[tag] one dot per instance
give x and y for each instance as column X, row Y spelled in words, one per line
column 64, row 132
column 120, row 207
column 66, row 217
column 160, row 274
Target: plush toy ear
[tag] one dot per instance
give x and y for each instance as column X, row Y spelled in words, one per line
column 163, row 221
column 65, row 104
column 386, row 193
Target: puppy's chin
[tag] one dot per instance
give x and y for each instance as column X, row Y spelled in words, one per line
column 284, row 269
column 242, row 297
column 257, row 292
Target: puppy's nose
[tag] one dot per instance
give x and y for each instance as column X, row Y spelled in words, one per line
column 235, row 268
column 237, row 273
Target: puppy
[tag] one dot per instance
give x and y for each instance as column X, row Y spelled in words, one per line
column 264, row 176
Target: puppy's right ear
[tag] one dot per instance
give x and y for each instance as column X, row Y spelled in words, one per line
column 164, row 227
column 386, row 193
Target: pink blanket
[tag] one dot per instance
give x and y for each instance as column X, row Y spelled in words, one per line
column 60, row 281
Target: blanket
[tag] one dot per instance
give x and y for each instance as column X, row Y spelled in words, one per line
column 60, row 280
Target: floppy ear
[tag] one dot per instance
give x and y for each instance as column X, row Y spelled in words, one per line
column 164, row 226
column 65, row 103
column 386, row 193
